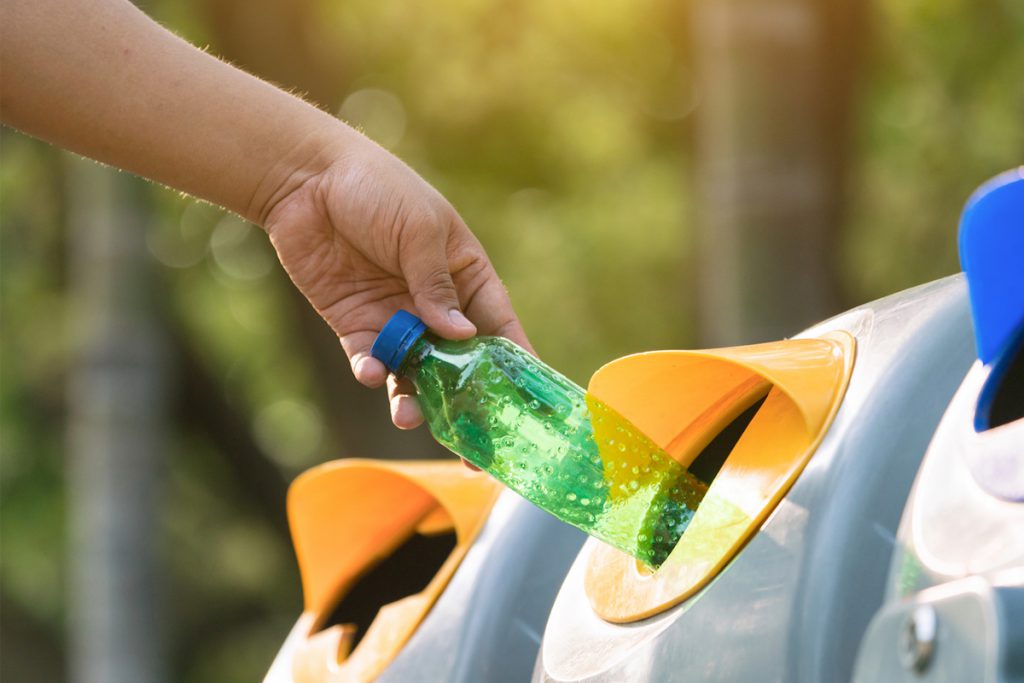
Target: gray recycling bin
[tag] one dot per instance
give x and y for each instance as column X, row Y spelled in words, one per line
column 793, row 603
column 488, row 624
column 811, row 446
column 418, row 571
column 954, row 607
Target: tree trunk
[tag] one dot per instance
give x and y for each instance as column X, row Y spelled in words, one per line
column 776, row 80
column 116, row 437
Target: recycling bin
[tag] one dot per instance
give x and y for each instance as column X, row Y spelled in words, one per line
column 810, row 446
column 779, row 574
column 954, row 608
column 418, row 570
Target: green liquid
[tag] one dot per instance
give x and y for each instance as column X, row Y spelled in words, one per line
column 541, row 435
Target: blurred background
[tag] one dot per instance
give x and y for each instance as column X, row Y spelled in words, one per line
column 645, row 174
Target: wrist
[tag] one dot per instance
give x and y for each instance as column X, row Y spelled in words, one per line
column 303, row 157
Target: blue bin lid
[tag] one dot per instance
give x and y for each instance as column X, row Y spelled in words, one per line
column 992, row 256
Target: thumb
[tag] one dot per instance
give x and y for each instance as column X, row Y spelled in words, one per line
column 430, row 283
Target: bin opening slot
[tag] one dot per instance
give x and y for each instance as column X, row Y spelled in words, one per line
column 709, row 461
column 406, row 571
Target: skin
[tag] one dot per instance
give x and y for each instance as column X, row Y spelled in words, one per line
column 358, row 232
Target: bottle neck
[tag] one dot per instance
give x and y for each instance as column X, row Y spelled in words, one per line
column 412, row 360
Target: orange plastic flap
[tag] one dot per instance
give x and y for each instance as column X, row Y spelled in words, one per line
column 348, row 515
column 682, row 399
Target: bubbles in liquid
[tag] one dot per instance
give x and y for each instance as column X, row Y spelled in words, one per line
column 563, row 450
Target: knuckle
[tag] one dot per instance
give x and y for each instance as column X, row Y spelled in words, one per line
column 438, row 282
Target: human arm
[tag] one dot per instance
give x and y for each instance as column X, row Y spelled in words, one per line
column 359, row 233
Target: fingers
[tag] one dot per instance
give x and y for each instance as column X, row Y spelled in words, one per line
column 405, row 411
column 368, row 370
column 427, row 272
column 491, row 309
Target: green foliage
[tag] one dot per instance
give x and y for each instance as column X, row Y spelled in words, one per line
column 943, row 111
column 555, row 128
column 560, row 131
column 33, row 347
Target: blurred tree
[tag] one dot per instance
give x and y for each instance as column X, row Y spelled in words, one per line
column 301, row 56
column 942, row 112
column 772, row 135
column 30, row 651
column 117, row 405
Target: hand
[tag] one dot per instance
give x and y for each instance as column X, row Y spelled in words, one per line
column 366, row 236
column 358, row 232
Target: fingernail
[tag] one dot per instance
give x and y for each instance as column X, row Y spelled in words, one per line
column 362, row 368
column 405, row 412
column 459, row 320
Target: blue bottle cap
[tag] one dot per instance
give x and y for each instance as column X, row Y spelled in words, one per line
column 395, row 341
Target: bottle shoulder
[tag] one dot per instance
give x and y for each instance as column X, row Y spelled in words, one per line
column 497, row 353
column 439, row 346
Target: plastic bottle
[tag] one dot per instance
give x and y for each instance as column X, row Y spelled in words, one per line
column 502, row 409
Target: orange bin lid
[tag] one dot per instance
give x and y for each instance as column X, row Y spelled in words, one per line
column 681, row 400
column 345, row 517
